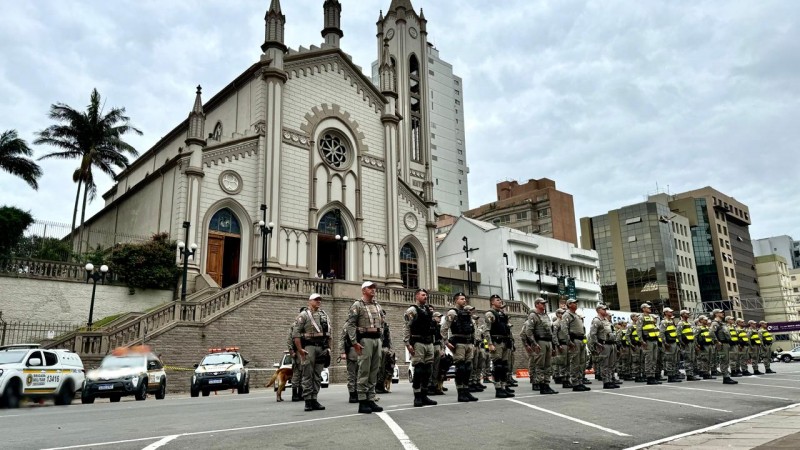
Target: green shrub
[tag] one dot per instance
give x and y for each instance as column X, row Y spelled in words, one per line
column 13, row 222
column 44, row 248
column 148, row 265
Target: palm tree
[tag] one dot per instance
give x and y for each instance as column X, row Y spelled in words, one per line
column 14, row 153
column 94, row 138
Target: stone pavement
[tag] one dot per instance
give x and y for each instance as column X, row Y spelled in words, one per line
column 776, row 429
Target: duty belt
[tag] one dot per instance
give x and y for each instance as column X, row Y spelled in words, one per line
column 500, row 339
column 313, row 335
column 318, row 342
column 460, row 339
column 574, row 336
column 543, row 337
column 372, row 333
column 423, row 339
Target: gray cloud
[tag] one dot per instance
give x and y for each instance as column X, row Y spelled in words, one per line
column 606, row 98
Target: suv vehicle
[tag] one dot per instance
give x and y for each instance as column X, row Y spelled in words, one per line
column 126, row 371
column 221, row 368
column 286, row 363
column 788, row 356
column 28, row 371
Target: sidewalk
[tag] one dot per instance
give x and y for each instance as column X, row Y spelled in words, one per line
column 776, row 429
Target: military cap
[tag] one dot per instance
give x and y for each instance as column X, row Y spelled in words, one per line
column 495, row 296
column 717, row 311
column 367, row 284
column 702, row 318
column 559, row 311
column 539, row 300
column 601, row 306
column 740, row 320
column 469, row 307
column 668, row 309
column 314, row 296
column 437, row 314
column 685, row 312
column 572, row 300
column 459, row 294
column 751, row 322
column 420, row 290
column 763, row 322
column 728, row 318
column 634, row 315
column 645, row 305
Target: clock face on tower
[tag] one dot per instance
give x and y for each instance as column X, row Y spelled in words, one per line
column 413, row 32
column 411, row 221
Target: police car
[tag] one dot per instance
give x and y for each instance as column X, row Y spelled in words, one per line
column 28, row 371
column 286, row 363
column 132, row 371
column 222, row 368
column 790, row 355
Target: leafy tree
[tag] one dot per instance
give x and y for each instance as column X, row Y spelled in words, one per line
column 45, row 248
column 14, row 158
column 13, row 222
column 92, row 137
column 149, row 265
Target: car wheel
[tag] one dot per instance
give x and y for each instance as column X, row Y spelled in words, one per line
column 11, row 396
column 115, row 398
column 86, row 398
column 242, row 389
column 65, row 395
column 162, row 391
column 410, row 376
column 786, row 358
column 194, row 391
column 142, row 394
column 206, row 392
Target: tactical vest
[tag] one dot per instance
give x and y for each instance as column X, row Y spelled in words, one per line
column 767, row 337
column 734, row 338
column 500, row 325
column 755, row 339
column 671, row 333
column 687, row 333
column 635, row 336
column 649, row 329
column 705, row 336
column 437, row 333
column 743, row 337
column 423, row 324
column 623, row 337
column 541, row 331
column 462, row 324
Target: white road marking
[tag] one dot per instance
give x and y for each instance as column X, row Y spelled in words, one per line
column 711, row 428
column 769, row 385
column 728, row 393
column 401, row 435
column 770, row 378
column 563, row 416
column 162, row 442
column 663, row 401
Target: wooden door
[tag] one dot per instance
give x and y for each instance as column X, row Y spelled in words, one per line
column 216, row 250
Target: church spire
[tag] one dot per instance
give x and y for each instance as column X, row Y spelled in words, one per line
column 401, row 4
column 387, row 71
column 275, row 22
column 197, row 118
column 333, row 23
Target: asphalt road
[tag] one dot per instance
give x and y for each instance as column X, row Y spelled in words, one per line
column 619, row 418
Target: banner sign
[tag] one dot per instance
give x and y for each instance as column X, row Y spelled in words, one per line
column 571, row 291
column 562, row 290
column 783, row 327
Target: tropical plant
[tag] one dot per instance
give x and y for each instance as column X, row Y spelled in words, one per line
column 13, row 222
column 92, row 137
column 44, row 248
column 14, row 158
column 149, row 265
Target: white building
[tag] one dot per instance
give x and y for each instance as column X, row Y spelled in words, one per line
column 448, row 139
column 779, row 291
column 537, row 262
column 303, row 139
column 783, row 246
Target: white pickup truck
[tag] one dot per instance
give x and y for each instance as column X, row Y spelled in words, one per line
column 788, row 356
column 28, row 371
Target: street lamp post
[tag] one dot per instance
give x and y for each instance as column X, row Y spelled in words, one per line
column 469, row 262
column 95, row 276
column 668, row 221
column 509, row 277
column 341, row 241
column 185, row 254
column 266, row 233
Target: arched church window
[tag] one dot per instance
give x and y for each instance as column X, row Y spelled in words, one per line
column 415, row 102
column 217, row 133
column 334, row 150
column 416, row 154
column 225, row 221
column 409, row 269
column 331, row 225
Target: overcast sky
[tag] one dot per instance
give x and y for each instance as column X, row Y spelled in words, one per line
column 611, row 99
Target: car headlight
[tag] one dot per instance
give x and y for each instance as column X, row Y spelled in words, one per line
column 135, row 380
column 238, row 376
column 194, row 379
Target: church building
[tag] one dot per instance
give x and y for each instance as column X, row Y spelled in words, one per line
column 302, row 140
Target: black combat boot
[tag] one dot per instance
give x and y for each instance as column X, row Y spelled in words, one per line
column 535, row 386
column 692, row 378
column 462, row 395
column 509, row 390
column 609, row 386
column 652, row 381
column 425, row 400
column 363, row 407
column 296, row 396
column 309, row 405
column 545, row 389
column 473, row 388
column 374, row 406
column 736, row 373
column 581, row 388
column 757, row 372
column 566, row 384
column 770, row 371
column 353, row 397
column 418, row 399
column 728, row 380
column 715, row 372
column 317, row 406
column 639, row 379
column 746, row 373
column 673, row 379
column 470, row 397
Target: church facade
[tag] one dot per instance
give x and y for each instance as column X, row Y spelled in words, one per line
column 303, row 140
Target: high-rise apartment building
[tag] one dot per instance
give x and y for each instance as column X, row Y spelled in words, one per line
column 447, row 138
column 535, row 207
column 726, row 269
column 646, row 255
column 784, row 246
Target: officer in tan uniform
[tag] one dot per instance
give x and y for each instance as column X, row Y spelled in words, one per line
column 687, row 346
column 418, row 333
column 723, row 333
column 312, row 338
column 648, row 331
column 499, row 339
column 365, row 327
column 480, row 360
column 637, row 368
column 766, row 351
column 458, row 334
column 756, row 346
column 623, row 366
column 559, row 361
column 603, row 340
column 542, row 344
column 669, row 342
column 704, row 342
column 351, row 359
column 572, row 323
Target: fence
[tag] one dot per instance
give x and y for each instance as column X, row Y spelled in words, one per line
column 31, row 332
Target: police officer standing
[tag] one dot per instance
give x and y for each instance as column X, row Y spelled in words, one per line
column 723, row 333
column 623, row 351
column 755, row 346
column 312, row 339
column 499, row 340
column 766, row 351
column 687, row 345
column 572, row 323
column 539, row 333
column 603, row 341
column 458, row 333
column 562, row 338
column 351, row 359
column 418, row 338
column 637, row 371
column 435, row 384
column 481, row 357
column 669, row 338
column 297, row 371
column 648, row 330
column 704, row 342
column 365, row 326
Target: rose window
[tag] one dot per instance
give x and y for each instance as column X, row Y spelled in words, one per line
column 334, row 150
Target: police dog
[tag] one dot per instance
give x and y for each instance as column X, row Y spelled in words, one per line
column 389, row 360
column 279, row 379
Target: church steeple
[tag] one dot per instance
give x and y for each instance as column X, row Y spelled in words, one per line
column 333, row 23
column 387, row 72
column 197, row 119
column 275, row 22
column 401, row 4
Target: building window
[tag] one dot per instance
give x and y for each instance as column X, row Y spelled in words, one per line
column 461, row 162
column 409, row 270
column 430, row 72
column 458, row 92
column 334, row 150
column 226, row 222
column 217, row 134
column 522, row 215
column 458, row 102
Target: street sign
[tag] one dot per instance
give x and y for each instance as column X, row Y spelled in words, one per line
column 783, row 327
column 571, row 292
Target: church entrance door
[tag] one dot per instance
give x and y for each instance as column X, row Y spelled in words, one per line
column 332, row 246
column 224, row 244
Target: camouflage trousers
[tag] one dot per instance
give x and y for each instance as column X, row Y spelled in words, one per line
column 689, row 358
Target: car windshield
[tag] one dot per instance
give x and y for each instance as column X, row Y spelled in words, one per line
column 119, row 362
column 12, row 356
column 219, row 358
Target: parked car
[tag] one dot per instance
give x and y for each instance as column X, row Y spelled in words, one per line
column 222, row 368
column 790, row 355
column 28, row 371
column 126, row 371
column 286, row 363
